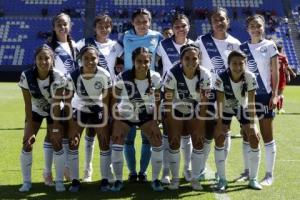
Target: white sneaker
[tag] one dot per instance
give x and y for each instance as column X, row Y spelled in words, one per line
column 59, row 186
column 25, row 187
column 195, row 184
column 48, row 179
column 174, row 185
column 87, row 177
column 267, row 180
column 187, row 175
column 166, row 180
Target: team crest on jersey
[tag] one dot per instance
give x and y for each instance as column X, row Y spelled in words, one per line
column 153, row 41
column 263, row 49
column 98, row 85
column 230, row 46
column 113, row 49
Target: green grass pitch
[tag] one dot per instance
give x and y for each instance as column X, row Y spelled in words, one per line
column 287, row 171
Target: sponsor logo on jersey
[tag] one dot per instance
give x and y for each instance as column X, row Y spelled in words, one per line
column 68, row 64
column 218, row 64
column 252, row 65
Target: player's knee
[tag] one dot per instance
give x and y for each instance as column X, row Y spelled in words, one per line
column 198, row 143
column 254, row 140
column 174, row 142
column 220, row 140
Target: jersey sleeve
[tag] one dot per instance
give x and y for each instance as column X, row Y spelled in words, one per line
column 272, row 49
column 159, row 50
column 170, row 81
column 23, row 82
column 80, row 44
column 119, row 82
column 107, row 83
column 156, row 80
column 251, row 81
column 207, row 81
column 69, row 83
column 218, row 85
column 119, row 49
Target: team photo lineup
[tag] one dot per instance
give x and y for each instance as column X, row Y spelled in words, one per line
column 180, row 94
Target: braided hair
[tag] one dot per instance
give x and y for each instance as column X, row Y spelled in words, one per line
column 189, row 47
column 35, row 70
column 135, row 53
column 241, row 55
column 53, row 40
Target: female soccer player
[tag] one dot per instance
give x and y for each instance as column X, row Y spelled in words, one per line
column 42, row 88
column 215, row 48
column 109, row 51
column 65, row 55
column 90, row 85
column 139, row 91
column 262, row 58
column 186, row 86
column 169, row 51
column 235, row 89
column 139, row 36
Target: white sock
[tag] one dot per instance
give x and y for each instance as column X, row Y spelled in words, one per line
column 26, row 164
column 220, row 161
column 65, row 145
column 197, row 156
column 166, row 156
column 59, row 162
column 227, row 144
column 89, row 149
column 206, row 150
column 48, row 156
column 186, row 148
column 74, row 164
column 156, row 161
column 117, row 161
column 174, row 162
column 270, row 156
column 246, row 151
column 105, row 161
column 254, row 157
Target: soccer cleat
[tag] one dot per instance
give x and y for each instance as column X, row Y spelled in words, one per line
column 254, row 184
column 142, row 177
column 117, row 186
column 48, row 180
column 132, row 177
column 67, row 174
column 59, row 186
column 104, row 185
column 195, row 184
column 25, row 187
column 157, row 186
column 222, row 185
column 174, row 185
column 267, row 180
column 166, row 180
column 87, row 177
column 244, row 176
column 165, row 176
column 75, row 186
column 187, row 175
column 281, row 111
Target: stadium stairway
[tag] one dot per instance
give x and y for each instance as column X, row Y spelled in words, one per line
column 295, row 38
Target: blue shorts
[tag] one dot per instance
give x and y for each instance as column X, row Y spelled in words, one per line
column 94, row 118
column 39, row 118
column 262, row 106
column 242, row 117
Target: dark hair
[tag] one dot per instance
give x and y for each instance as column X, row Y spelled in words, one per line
column 183, row 50
column 216, row 11
column 179, row 16
column 45, row 47
column 104, row 18
column 53, row 40
column 244, row 57
column 253, row 17
column 142, row 11
column 85, row 48
column 135, row 53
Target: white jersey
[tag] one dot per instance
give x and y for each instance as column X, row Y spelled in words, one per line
column 64, row 60
column 170, row 82
column 41, row 105
column 238, row 101
column 262, row 53
column 223, row 46
column 130, row 110
column 111, row 50
column 92, row 92
column 162, row 52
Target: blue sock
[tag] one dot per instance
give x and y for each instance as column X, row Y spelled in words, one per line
column 129, row 150
column 145, row 154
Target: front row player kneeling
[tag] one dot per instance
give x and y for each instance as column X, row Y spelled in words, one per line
column 138, row 93
column 236, row 97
